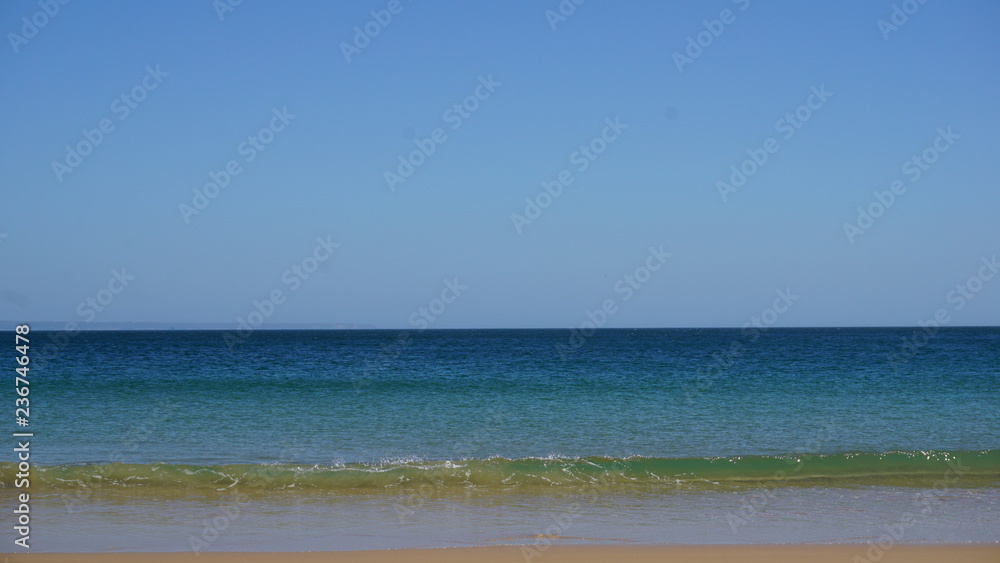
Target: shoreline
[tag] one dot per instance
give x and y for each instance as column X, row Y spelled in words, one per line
column 757, row 553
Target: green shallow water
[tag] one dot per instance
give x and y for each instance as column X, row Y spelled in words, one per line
column 965, row 469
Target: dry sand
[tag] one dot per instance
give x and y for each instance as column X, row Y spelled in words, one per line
column 842, row 553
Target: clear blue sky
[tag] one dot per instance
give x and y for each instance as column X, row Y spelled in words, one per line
column 656, row 183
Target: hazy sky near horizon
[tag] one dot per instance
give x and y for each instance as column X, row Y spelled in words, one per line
column 310, row 113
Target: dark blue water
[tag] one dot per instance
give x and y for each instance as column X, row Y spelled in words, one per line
column 361, row 396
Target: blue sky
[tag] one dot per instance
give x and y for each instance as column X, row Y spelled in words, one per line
column 207, row 83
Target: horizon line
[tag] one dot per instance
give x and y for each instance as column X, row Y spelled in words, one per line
column 109, row 326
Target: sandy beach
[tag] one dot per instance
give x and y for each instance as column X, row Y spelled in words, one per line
column 854, row 553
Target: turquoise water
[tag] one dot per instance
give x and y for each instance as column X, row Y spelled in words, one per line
column 407, row 425
column 359, row 396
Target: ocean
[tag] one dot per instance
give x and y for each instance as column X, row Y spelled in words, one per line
column 364, row 439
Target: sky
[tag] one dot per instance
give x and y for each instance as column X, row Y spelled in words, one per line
column 503, row 164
